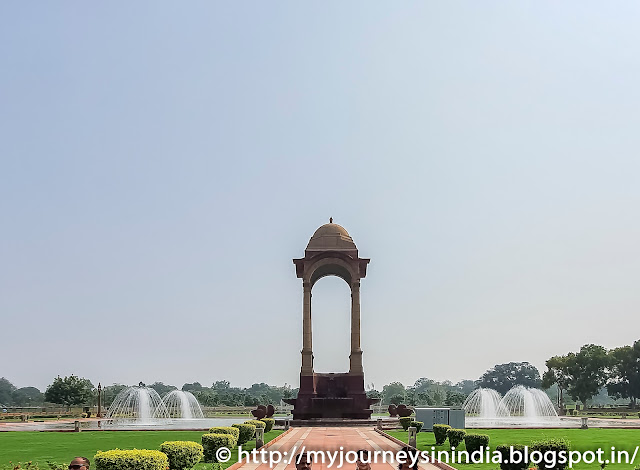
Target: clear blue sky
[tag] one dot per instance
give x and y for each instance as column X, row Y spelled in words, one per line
column 163, row 162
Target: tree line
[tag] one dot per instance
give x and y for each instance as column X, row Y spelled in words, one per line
column 581, row 375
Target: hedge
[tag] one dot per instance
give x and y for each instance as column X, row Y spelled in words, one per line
column 212, row 442
column 269, row 422
column 551, row 445
column 246, row 432
column 257, row 423
column 440, row 432
column 455, row 436
column 416, row 424
column 405, row 421
column 235, row 432
column 182, row 454
column 136, row 459
column 474, row 442
column 505, row 451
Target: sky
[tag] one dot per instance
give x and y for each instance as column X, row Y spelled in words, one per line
column 162, row 163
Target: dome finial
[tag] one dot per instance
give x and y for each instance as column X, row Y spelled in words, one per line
column 330, row 220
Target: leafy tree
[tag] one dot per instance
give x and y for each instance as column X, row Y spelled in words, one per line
column 162, row 389
column 374, row 394
column 625, row 373
column 588, row 370
column 195, row 386
column 465, row 387
column 397, row 399
column 28, row 396
column 395, row 390
column 70, row 391
column 6, row 392
column 454, row 398
column 557, row 373
column 505, row 376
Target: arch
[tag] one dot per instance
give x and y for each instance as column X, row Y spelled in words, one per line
column 332, row 266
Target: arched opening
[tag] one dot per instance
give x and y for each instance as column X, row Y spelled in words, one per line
column 331, row 324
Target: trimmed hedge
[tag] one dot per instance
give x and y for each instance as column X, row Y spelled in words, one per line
column 212, row 442
column 455, row 436
column 182, row 454
column 246, row 432
column 416, row 424
column 551, row 445
column 257, row 423
column 235, row 432
column 269, row 422
column 405, row 421
column 136, row 459
column 474, row 442
column 506, row 464
column 440, row 432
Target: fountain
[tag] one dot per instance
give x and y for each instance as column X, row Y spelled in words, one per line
column 531, row 404
column 520, row 407
column 484, row 403
column 142, row 404
column 180, row 404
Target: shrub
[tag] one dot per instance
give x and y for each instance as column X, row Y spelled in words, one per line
column 551, row 445
column 440, row 432
column 474, row 442
column 416, row 424
column 235, row 432
column 257, row 423
column 131, row 460
column 405, row 421
column 505, row 451
column 246, row 432
column 212, row 442
column 455, row 436
column 269, row 422
column 182, row 454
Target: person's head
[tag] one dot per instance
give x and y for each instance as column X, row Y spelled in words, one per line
column 364, row 459
column 407, row 454
column 303, row 462
column 79, row 463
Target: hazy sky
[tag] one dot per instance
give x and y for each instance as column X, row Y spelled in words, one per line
column 163, row 162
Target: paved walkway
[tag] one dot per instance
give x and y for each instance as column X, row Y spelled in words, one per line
column 329, row 439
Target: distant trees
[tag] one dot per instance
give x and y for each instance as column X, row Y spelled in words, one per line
column 502, row 377
column 25, row 396
column 583, row 374
column 624, row 380
column 70, row 391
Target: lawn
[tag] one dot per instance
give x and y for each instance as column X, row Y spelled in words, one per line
column 579, row 439
column 61, row 447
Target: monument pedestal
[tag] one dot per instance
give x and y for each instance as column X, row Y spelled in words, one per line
column 332, row 396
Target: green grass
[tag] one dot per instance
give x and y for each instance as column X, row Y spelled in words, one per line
column 579, row 439
column 61, row 447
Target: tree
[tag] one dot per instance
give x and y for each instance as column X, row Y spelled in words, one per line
column 587, row 371
column 69, row 391
column 28, row 396
column 6, row 392
column 194, row 387
column 625, row 373
column 162, row 389
column 505, row 376
column 395, row 390
column 454, row 398
column 557, row 373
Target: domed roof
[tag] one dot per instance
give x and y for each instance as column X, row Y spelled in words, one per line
column 331, row 237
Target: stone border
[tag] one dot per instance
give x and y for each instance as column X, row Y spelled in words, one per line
column 437, row 463
column 239, row 463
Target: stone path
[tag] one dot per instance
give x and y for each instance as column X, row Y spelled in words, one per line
column 328, row 439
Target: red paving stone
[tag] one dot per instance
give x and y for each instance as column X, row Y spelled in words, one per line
column 328, row 439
